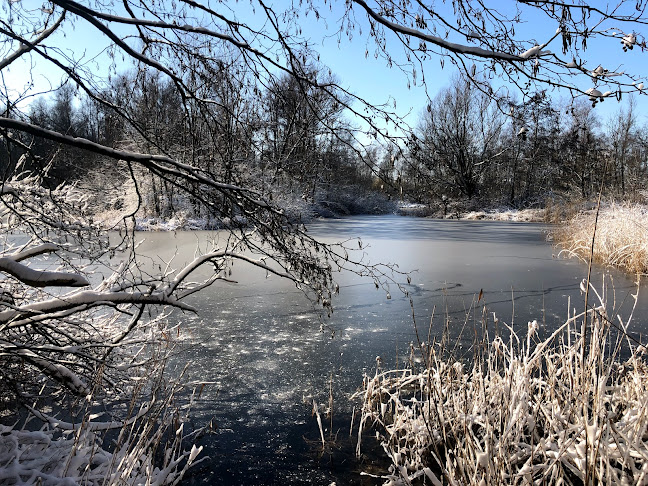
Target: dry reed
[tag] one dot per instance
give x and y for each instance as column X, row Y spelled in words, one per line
column 524, row 411
column 621, row 237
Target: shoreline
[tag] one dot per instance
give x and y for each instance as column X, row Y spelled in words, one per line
column 175, row 223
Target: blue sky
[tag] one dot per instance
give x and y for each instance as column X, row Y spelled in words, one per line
column 377, row 82
column 365, row 76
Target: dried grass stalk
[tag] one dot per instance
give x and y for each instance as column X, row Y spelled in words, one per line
column 524, row 411
column 621, row 237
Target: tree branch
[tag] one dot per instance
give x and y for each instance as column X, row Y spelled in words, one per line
column 26, row 47
column 85, row 299
column 41, row 278
column 438, row 41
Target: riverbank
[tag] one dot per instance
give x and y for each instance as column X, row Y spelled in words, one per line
column 529, row 215
column 621, row 237
column 185, row 222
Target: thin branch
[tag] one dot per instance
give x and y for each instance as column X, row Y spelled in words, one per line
column 438, row 41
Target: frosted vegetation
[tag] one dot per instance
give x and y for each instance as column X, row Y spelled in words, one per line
column 569, row 408
column 45, row 450
column 621, row 236
column 190, row 114
column 84, row 394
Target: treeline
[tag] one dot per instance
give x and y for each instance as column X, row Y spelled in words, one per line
column 294, row 145
column 284, row 139
column 471, row 148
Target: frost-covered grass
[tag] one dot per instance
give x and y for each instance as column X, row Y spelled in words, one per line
column 621, row 237
column 525, row 410
column 149, row 448
column 51, row 456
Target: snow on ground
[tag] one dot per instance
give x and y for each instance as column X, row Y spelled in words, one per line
column 520, row 215
column 498, row 214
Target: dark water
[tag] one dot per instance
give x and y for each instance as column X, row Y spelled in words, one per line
column 266, row 353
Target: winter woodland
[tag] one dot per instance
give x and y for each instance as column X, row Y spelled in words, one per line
column 195, row 116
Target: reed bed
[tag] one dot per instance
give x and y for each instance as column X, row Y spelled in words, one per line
column 559, row 410
column 621, row 237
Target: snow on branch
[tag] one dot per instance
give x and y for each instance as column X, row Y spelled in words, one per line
column 26, row 47
column 84, row 300
column 54, row 370
column 142, row 22
column 450, row 46
column 39, row 278
column 8, row 189
column 34, row 251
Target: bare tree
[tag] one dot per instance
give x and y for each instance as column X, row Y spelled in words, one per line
column 532, row 158
column 623, row 132
column 582, row 154
column 459, row 136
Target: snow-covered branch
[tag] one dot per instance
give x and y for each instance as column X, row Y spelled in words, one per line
column 33, row 251
column 40, row 278
column 438, row 41
column 38, row 311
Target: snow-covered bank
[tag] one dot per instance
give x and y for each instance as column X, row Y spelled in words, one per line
column 496, row 214
column 142, row 436
column 181, row 223
column 525, row 410
column 357, row 201
column 621, row 236
column 146, row 452
column 518, row 215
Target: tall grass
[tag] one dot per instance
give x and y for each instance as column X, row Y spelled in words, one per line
column 149, row 449
column 621, row 237
column 525, row 410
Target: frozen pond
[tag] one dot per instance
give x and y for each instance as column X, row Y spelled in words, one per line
column 267, row 353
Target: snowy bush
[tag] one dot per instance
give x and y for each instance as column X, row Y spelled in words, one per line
column 77, row 354
column 149, row 448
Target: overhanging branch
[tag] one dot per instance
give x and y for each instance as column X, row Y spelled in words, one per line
column 438, row 41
